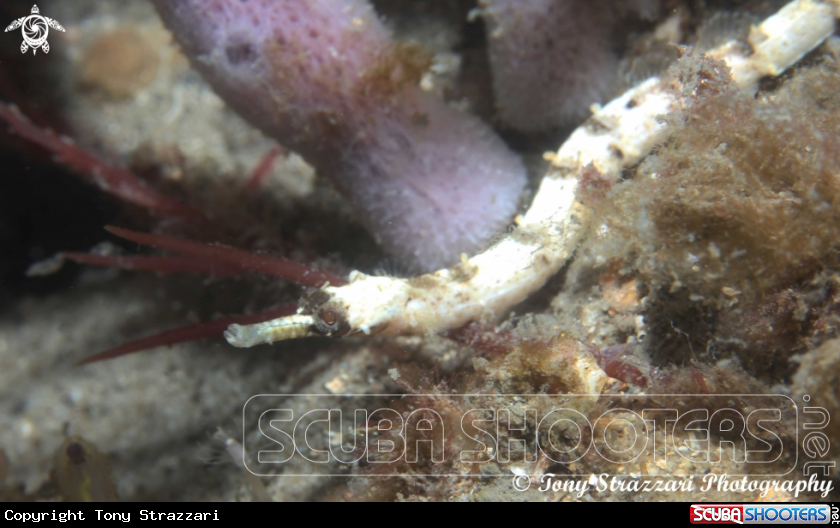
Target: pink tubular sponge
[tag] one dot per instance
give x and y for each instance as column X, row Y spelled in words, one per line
column 551, row 59
column 325, row 79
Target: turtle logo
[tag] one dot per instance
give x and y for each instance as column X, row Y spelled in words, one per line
column 35, row 31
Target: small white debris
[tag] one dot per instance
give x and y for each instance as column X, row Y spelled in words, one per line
column 518, row 471
column 335, row 385
column 46, row 267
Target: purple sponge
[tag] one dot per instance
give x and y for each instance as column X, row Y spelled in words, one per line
column 325, row 79
column 551, row 59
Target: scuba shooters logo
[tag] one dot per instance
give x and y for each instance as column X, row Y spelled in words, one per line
column 35, row 29
column 764, row 513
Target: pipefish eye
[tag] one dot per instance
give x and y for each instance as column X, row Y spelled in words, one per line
column 331, row 322
column 328, row 316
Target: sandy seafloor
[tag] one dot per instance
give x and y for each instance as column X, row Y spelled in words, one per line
column 155, row 414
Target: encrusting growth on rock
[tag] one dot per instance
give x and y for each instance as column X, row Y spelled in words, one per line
column 119, row 63
column 738, row 208
column 817, row 379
